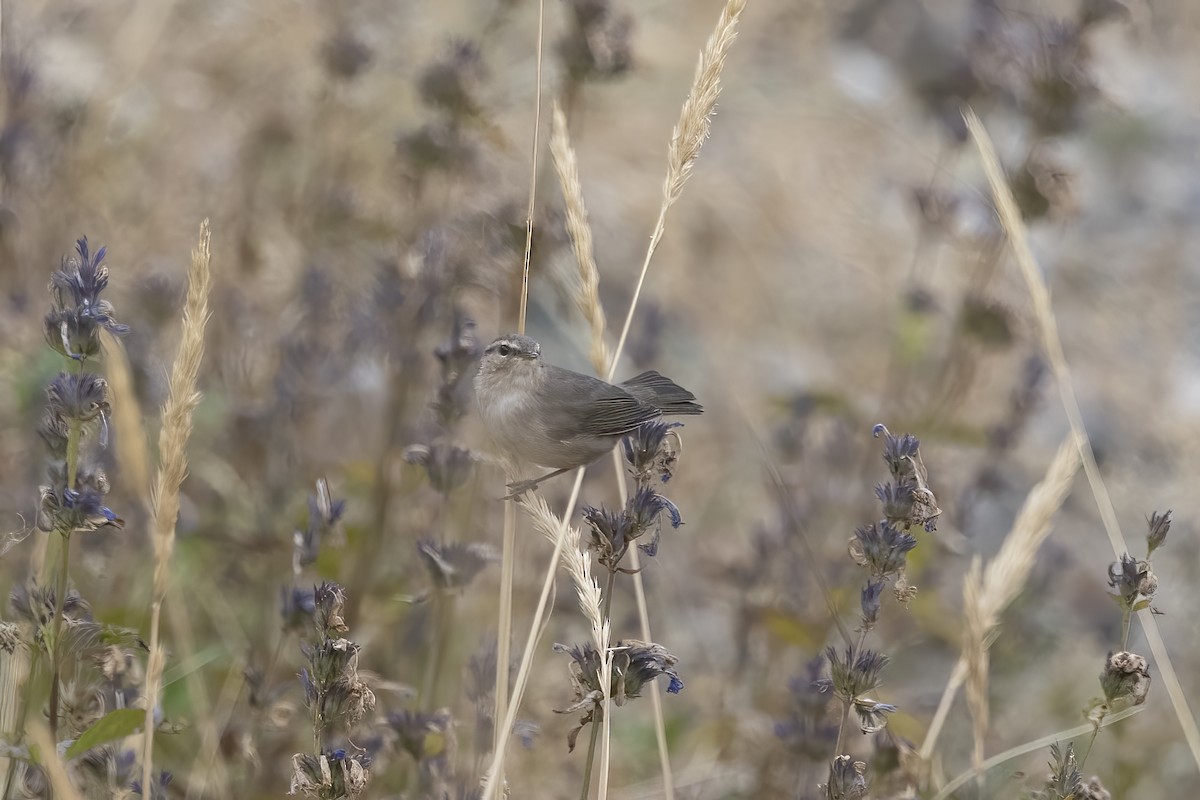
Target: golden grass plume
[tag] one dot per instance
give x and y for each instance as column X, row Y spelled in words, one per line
column 986, row 593
column 587, row 291
column 182, row 399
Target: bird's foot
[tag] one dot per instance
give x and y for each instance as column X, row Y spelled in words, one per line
column 518, row 488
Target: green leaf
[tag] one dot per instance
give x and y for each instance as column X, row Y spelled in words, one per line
column 112, row 726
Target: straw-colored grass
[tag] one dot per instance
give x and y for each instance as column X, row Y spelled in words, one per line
column 986, row 593
column 587, row 291
column 1039, row 293
column 687, row 138
column 56, row 771
column 182, row 399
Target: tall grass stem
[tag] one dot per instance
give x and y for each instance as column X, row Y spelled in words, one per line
column 1039, row 293
column 182, row 399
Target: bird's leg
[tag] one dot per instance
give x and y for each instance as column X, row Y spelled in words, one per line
column 518, row 488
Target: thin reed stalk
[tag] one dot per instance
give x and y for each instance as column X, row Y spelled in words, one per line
column 507, row 557
column 493, row 777
column 686, row 140
column 41, row 737
column 587, row 301
column 1010, row 218
column 1029, row 747
column 182, row 399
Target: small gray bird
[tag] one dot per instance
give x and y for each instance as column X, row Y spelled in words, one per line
column 543, row 415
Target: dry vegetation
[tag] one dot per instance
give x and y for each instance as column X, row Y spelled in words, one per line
column 302, row 565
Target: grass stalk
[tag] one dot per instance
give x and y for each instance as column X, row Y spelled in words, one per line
column 606, row 613
column 687, row 138
column 1039, row 293
column 504, row 624
column 74, row 435
column 986, row 593
column 182, row 399
column 587, row 301
column 60, row 783
column 1028, row 747
column 493, row 777
column 507, row 557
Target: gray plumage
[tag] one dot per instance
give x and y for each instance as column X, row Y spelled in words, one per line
column 543, row 415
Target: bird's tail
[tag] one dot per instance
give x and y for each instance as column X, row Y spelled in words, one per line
column 664, row 394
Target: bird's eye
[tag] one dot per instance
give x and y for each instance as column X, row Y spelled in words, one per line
column 504, row 350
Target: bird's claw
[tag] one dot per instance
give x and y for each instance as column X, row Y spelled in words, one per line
column 519, row 488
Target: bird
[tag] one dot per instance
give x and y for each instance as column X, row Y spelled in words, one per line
column 539, row 414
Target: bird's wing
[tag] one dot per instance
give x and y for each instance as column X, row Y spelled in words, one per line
column 663, row 393
column 590, row 406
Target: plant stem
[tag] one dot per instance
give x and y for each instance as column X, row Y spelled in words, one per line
column 1091, row 741
column 74, row 434
column 60, row 592
column 837, row 748
column 1126, row 618
column 597, row 719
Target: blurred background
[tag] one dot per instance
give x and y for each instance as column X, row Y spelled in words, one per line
column 834, row 262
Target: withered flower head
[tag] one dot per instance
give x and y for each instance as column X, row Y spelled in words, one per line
column 652, row 449
column 634, row 664
column 851, row 676
column 909, row 500
column 881, row 548
column 847, row 779
column 1159, row 525
column 1135, row 583
column 1125, row 680
column 330, row 600
column 75, row 510
column 81, row 397
column 334, row 773
column 79, row 313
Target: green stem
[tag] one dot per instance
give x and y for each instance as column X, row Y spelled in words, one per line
column 1126, row 616
column 74, row 435
column 837, row 748
column 598, row 718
